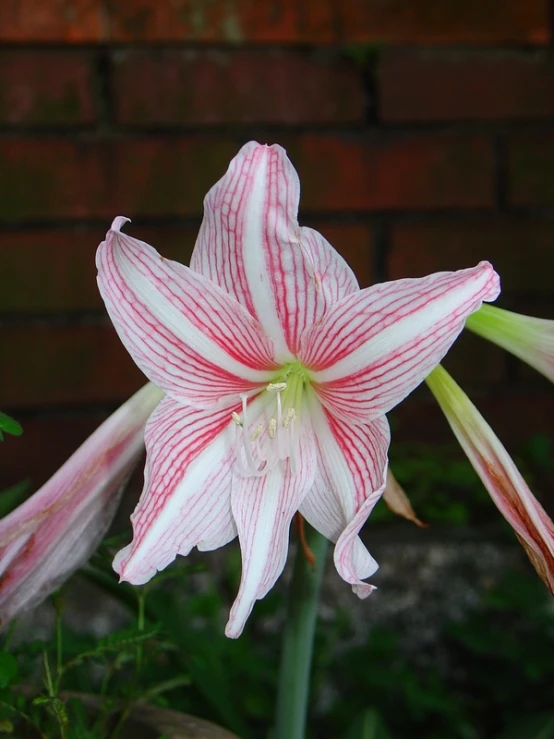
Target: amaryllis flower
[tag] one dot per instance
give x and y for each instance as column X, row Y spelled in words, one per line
column 278, row 371
column 531, row 339
column 498, row 473
column 56, row 530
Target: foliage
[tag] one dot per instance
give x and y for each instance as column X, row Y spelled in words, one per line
column 9, row 425
column 494, row 682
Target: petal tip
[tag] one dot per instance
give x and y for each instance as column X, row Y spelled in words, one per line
column 118, row 223
column 493, row 285
column 233, row 628
column 363, row 590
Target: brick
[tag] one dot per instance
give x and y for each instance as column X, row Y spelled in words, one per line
column 531, row 169
column 385, row 171
column 63, row 273
column 196, row 87
column 46, row 88
column 265, row 21
column 521, row 250
column 42, row 180
column 445, row 21
column 276, row 21
column 53, row 179
column 425, row 85
column 49, row 179
column 76, row 21
column 50, row 364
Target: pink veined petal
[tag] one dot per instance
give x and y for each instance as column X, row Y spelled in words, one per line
column 352, row 465
column 332, row 276
column 191, row 339
column 56, row 530
column 499, row 475
column 372, row 348
column 251, row 245
column 263, row 508
column 185, row 501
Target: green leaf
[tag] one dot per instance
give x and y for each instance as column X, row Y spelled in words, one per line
column 9, row 425
column 369, row 725
column 9, row 669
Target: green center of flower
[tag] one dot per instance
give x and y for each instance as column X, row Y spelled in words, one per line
column 268, row 427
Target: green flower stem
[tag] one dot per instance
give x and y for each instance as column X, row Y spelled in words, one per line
column 298, row 638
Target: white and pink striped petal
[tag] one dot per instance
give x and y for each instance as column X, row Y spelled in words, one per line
column 56, row 530
column 499, row 475
column 188, row 336
column 372, row 348
column 187, row 486
column 251, row 245
column 351, row 477
column 263, row 508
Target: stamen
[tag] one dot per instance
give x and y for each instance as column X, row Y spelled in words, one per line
column 290, row 415
column 236, row 418
column 258, row 471
column 276, row 387
column 272, row 428
column 257, row 432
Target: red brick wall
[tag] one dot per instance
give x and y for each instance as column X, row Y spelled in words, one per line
column 423, row 131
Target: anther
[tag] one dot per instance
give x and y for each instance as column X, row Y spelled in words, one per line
column 276, row 387
column 257, row 432
column 290, row 415
column 236, row 418
column 272, row 428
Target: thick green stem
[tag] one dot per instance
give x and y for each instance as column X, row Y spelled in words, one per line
column 298, row 638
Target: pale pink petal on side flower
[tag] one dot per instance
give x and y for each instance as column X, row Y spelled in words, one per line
column 187, row 484
column 251, row 245
column 188, row 336
column 263, row 508
column 372, row 348
column 57, row 529
column 500, row 476
column 352, row 463
column 531, row 339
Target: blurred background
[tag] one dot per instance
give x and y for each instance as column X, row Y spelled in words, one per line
column 423, row 133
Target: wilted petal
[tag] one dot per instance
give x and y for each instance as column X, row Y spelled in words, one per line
column 352, row 462
column 57, row 529
column 263, row 508
column 251, row 245
column 498, row 473
column 531, row 339
column 187, row 484
column 398, row 502
column 373, row 347
column 188, row 336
